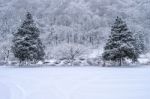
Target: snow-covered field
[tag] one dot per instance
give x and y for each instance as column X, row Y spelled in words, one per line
column 75, row 83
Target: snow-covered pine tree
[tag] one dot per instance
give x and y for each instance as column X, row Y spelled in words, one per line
column 27, row 45
column 140, row 42
column 120, row 45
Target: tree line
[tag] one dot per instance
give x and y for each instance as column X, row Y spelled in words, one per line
column 121, row 45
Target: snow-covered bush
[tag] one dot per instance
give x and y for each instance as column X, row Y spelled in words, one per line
column 70, row 52
column 94, row 61
column 5, row 52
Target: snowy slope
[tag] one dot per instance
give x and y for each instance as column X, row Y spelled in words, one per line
column 85, row 22
column 74, row 83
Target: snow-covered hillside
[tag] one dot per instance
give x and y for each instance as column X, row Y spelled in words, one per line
column 85, row 22
column 75, row 83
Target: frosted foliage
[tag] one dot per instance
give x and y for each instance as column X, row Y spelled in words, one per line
column 26, row 42
column 70, row 51
column 121, row 43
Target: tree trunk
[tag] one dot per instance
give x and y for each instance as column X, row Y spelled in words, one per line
column 104, row 64
column 120, row 62
column 7, row 56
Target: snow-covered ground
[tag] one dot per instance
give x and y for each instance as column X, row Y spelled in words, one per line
column 75, row 83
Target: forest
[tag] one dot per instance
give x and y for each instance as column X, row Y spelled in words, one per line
column 75, row 32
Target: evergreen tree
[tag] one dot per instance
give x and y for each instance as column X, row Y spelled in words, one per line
column 120, row 45
column 140, row 43
column 27, row 45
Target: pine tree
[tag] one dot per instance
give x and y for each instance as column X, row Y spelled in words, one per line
column 27, row 45
column 120, row 45
column 140, row 43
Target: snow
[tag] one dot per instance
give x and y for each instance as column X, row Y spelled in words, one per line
column 75, row 83
column 144, row 59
